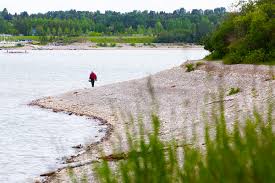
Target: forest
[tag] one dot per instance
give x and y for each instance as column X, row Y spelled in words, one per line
column 246, row 36
column 178, row 26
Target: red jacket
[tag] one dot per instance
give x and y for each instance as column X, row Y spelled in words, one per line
column 93, row 76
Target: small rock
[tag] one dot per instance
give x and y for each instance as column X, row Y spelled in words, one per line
column 78, row 146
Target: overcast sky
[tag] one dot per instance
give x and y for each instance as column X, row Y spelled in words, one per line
column 34, row 6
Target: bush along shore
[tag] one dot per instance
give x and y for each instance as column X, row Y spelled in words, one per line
column 247, row 36
column 198, row 124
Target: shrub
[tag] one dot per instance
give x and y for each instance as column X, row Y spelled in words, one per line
column 102, row 44
column 199, row 64
column 147, row 44
column 233, row 58
column 255, row 56
column 19, row 45
column 245, row 37
column 113, row 45
column 133, row 44
column 190, row 67
column 233, row 91
column 94, row 34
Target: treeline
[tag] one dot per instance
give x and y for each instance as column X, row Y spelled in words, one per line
column 247, row 36
column 179, row 26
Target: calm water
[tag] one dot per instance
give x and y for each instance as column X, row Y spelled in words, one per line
column 33, row 140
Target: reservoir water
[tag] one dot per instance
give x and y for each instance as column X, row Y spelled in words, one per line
column 33, row 140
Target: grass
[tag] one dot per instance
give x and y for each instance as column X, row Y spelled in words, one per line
column 149, row 44
column 190, row 67
column 9, row 47
column 193, row 66
column 96, row 39
column 126, row 39
column 233, row 91
column 15, row 38
column 102, row 44
column 244, row 154
column 106, row 44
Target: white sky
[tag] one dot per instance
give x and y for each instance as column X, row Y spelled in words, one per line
column 35, row 6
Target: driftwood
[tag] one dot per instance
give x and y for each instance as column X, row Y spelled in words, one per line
column 115, row 157
column 219, row 101
column 71, row 165
column 111, row 157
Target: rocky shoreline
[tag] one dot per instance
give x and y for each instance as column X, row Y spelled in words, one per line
column 180, row 99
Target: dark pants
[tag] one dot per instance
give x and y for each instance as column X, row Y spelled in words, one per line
column 93, row 82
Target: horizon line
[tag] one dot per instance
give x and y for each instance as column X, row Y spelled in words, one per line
column 103, row 11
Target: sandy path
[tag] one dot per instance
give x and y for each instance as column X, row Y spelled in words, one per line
column 177, row 96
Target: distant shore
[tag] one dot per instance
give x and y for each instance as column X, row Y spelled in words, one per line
column 178, row 96
column 94, row 46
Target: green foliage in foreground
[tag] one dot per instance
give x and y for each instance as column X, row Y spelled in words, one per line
column 246, row 37
column 244, row 154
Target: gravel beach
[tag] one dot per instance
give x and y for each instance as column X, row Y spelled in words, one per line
column 180, row 99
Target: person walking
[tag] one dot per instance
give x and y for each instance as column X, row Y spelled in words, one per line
column 93, row 78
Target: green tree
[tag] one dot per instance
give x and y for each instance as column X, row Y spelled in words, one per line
column 158, row 27
column 247, row 36
column 54, row 32
column 67, row 31
column 59, row 31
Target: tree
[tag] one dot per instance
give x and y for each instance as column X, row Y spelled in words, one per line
column 140, row 29
column 197, row 12
column 67, row 31
column 5, row 14
column 54, row 32
column 40, row 30
column 59, row 31
column 247, row 36
column 158, row 27
column 185, row 26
